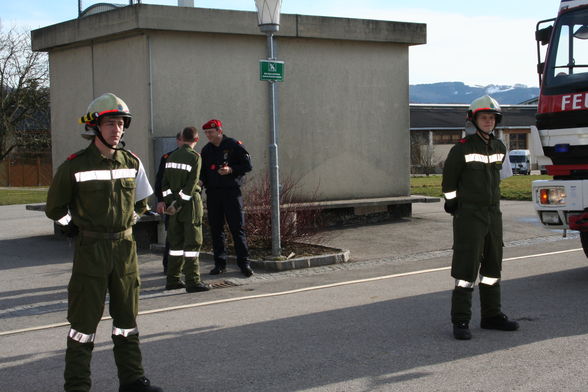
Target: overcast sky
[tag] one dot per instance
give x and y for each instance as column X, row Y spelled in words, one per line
column 475, row 42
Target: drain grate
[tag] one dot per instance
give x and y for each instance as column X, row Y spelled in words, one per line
column 221, row 284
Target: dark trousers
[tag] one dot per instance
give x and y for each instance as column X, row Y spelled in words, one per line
column 226, row 204
column 477, row 248
column 100, row 267
column 166, row 250
column 477, row 243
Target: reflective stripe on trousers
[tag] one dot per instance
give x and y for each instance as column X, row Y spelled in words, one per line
column 81, row 337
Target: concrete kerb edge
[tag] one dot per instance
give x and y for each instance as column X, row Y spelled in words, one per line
column 339, row 256
column 342, row 256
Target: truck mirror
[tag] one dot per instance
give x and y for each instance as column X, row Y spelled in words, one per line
column 582, row 32
column 540, row 68
column 543, row 35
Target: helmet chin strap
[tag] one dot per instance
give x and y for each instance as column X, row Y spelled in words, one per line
column 484, row 135
column 112, row 147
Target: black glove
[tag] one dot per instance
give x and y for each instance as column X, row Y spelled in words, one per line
column 70, row 230
column 450, row 206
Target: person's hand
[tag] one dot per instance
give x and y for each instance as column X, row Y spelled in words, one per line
column 70, row 230
column 173, row 208
column 450, row 206
column 223, row 171
column 135, row 218
column 160, row 207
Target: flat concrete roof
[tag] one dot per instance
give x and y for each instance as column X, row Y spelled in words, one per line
column 141, row 17
column 447, row 116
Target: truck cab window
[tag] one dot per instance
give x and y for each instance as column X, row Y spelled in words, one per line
column 568, row 62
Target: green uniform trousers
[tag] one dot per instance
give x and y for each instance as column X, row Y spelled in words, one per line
column 184, row 234
column 100, row 266
column 477, row 248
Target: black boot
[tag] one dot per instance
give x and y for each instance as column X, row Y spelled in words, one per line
column 193, row 288
column 217, row 270
column 461, row 330
column 140, row 385
column 499, row 322
column 175, row 285
column 246, row 269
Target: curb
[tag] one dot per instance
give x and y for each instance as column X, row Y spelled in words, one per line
column 341, row 256
column 337, row 257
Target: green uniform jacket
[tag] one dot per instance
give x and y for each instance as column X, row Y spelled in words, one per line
column 472, row 171
column 180, row 183
column 99, row 193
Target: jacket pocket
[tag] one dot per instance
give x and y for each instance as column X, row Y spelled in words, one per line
column 476, row 165
column 90, row 258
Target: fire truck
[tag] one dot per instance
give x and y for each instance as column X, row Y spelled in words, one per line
column 561, row 131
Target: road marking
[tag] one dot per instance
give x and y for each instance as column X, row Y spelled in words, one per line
column 288, row 292
column 542, row 254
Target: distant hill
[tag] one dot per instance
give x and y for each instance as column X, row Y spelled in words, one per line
column 458, row 92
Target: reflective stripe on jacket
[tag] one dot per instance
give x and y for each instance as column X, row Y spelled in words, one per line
column 472, row 171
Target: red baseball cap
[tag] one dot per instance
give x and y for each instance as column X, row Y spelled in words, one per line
column 213, row 124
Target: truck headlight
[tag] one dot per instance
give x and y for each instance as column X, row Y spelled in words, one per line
column 552, row 196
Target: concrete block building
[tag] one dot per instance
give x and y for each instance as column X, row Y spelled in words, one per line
column 343, row 111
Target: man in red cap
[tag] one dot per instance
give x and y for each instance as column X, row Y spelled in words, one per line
column 224, row 164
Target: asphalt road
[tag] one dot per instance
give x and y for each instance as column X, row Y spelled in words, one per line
column 379, row 323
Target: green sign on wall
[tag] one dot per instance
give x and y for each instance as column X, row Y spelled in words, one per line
column 271, row 70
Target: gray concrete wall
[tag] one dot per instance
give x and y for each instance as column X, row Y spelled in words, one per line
column 197, row 77
column 345, row 117
column 344, row 113
column 81, row 73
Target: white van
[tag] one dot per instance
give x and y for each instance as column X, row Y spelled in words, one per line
column 520, row 160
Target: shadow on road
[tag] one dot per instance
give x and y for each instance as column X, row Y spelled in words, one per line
column 383, row 343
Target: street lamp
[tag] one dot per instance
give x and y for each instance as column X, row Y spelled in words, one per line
column 268, row 17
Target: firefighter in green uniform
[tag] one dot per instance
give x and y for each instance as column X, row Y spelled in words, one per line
column 101, row 191
column 181, row 194
column 471, row 187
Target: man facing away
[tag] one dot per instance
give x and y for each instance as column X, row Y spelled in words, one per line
column 181, row 193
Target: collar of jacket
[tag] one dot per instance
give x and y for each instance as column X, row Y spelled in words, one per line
column 187, row 147
column 96, row 155
column 491, row 140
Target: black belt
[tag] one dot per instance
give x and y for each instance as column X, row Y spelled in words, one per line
column 107, row 236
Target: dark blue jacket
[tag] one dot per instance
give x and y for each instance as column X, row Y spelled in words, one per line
column 229, row 152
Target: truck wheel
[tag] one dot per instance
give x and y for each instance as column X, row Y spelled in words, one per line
column 584, row 240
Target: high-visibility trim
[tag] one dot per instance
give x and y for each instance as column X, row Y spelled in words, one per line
column 179, row 166
column 124, row 173
column 489, row 281
column 100, row 175
column 80, row 337
column 64, row 221
column 105, row 175
column 176, row 252
column 188, row 253
column 450, row 195
column 124, row 332
column 484, row 158
column 464, row 283
column 166, row 192
column 184, row 196
column 496, row 158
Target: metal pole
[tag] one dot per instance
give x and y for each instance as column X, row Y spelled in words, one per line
column 273, row 158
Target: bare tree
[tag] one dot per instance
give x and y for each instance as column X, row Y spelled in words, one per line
column 422, row 154
column 24, row 92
